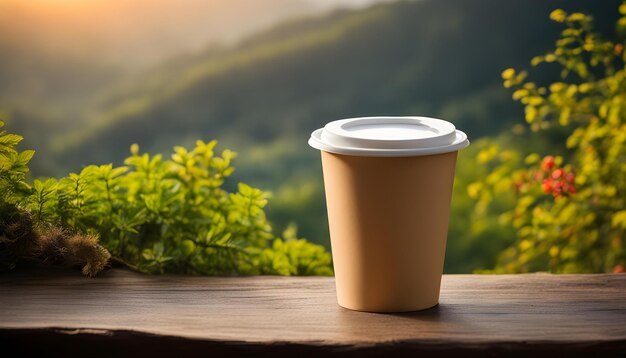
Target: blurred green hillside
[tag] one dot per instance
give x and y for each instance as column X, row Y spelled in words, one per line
column 264, row 96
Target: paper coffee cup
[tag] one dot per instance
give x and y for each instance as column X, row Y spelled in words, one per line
column 388, row 183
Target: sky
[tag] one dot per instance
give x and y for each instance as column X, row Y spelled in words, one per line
column 143, row 32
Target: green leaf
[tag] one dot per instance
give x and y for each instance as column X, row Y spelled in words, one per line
column 158, row 249
column 10, row 140
column 618, row 219
column 187, row 247
column 118, row 171
column 25, row 157
column 245, row 189
column 508, row 74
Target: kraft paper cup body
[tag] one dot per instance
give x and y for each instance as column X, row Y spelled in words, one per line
column 388, row 220
column 388, row 208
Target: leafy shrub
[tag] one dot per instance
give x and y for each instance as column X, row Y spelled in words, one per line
column 158, row 215
column 569, row 214
column 24, row 238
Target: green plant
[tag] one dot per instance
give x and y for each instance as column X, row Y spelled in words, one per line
column 158, row 215
column 569, row 214
column 294, row 256
column 22, row 236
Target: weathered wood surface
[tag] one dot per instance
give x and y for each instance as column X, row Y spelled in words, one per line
column 159, row 314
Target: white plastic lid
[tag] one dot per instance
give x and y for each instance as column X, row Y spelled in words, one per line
column 389, row 137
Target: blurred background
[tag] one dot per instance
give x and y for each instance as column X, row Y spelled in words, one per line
column 82, row 80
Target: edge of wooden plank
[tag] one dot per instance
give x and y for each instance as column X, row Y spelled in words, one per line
column 45, row 272
column 56, row 341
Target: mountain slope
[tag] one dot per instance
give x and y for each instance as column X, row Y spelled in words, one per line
column 440, row 58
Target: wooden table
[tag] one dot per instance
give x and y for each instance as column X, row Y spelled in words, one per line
column 59, row 313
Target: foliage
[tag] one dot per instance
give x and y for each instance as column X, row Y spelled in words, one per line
column 24, row 238
column 159, row 215
column 569, row 212
column 474, row 241
column 294, row 256
column 13, row 167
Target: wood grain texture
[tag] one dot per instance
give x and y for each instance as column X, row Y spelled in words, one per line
column 500, row 312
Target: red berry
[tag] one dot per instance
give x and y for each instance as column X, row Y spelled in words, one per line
column 572, row 189
column 547, row 185
column 538, row 175
column 547, row 163
column 570, row 177
column 557, row 173
column 619, row 269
